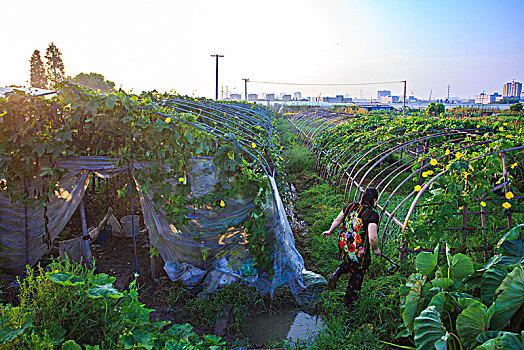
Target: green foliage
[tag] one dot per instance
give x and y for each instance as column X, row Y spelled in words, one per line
column 517, row 107
column 90, row 312
column 94, row 81
column 204, row 310
column 38, row 78
column 54, row 66
column 435, row 109
column 80, row 122
column 450, row 312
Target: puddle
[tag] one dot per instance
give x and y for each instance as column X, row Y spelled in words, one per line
column 293, row 325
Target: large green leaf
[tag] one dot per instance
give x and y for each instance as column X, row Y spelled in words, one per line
column 13, row 322
column 470, row 323
column 429, row 330
column 411, row 303
column 71, row 345
column 461, row 266
column 513, row 234
column 513, row 248
column 510, row 299
column 501, row 341
column 426, row 262
column 463, row 301
column 491, row 280
column 104, row 291
column 443, row 283
column 138, row 338
column 102, row 279
column 65, row 278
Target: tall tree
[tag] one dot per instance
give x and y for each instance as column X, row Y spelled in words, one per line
column 54, row 66
column 38, row 77
column 94, row 81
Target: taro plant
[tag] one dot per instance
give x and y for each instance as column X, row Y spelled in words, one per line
column 457, row 306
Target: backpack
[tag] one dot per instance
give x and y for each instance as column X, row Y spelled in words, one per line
column 353, row 241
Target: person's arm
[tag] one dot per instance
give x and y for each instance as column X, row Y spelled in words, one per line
column 373, row 238
column 339, row 219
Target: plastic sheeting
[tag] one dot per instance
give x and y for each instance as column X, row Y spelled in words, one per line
column 209, row 250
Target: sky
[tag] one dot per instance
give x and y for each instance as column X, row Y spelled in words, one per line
column 141, row 45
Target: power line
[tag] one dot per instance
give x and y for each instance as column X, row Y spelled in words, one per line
column 326, row 84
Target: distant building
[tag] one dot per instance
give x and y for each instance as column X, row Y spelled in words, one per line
column 390, row 99
column 286, row 97
column 297, row 95
column 383, row 94
column 235, row 97
column 374, row 107
column 512, row 90
column 484, row 99
column 252, row 97
column 270, row 97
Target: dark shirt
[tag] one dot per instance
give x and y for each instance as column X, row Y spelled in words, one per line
column 367, row 215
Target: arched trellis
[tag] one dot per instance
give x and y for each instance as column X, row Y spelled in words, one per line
column 357, row 166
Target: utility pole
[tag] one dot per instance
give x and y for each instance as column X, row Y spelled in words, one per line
column 448, row 93
column 404, row 107
column 245, row 87
column 216, row 86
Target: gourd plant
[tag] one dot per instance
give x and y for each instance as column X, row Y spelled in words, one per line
column 460, row 304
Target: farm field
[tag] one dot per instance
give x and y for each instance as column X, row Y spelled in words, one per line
column 214, row 185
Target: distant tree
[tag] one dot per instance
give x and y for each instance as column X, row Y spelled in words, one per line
column 517, row 107
column 54, row 66
column 94, row 81
column 38, row 77
column 435, row 109
column 440, row 108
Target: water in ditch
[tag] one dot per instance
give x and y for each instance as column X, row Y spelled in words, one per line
column 265, row 328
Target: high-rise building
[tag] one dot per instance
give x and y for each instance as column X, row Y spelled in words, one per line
column 512, row 90
column 297, row 95
column 383, row 94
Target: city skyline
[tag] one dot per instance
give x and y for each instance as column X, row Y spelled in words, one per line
column 472, row 46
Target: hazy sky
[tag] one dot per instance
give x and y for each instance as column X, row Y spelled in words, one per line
column 473, row 46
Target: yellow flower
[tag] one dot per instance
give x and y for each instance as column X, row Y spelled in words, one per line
column 168, row 120
column 514, row 165
column 509, row 136
column 460, row 208
column 417, row 188
column 458, row 155
column 466, row 174
column 505, row 124
column 447, row 152
column 501, row 128
column 222, row 203
column 483, row 203
column 253, row 145
column 509, row 195
column 430, row 172
column 506, row 205
column 433, row 162
column 180, row 179
column 424, row 174
column 471, row 167
column 478, row 125
column 56, row 271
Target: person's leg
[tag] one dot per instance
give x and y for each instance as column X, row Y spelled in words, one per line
column 342, row 269
column 356, row 277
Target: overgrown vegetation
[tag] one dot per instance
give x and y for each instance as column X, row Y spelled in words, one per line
column 69, row 306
